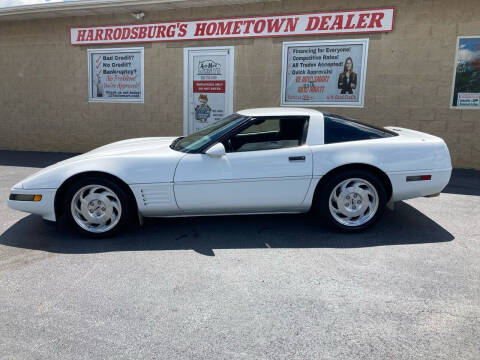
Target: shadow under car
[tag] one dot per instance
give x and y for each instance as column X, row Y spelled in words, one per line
column 405, row 225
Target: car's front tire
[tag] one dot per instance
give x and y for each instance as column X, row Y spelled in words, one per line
column 97, row 207
column 352, row 200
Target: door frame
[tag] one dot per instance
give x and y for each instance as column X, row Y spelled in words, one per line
column 228, row 89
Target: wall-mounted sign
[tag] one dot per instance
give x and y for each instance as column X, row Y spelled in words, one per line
column 324, row 73
column 115, row 75
column 322, row 23
column 208, row 83
column 466, row 75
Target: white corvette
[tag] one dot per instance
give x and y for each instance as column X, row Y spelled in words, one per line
column 272, row 160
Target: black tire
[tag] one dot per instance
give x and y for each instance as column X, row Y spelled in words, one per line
column 322, row 199
column 128, row 208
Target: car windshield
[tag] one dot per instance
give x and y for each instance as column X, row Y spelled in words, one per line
column 196, row 141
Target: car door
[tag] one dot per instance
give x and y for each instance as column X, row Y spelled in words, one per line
column 267, row 168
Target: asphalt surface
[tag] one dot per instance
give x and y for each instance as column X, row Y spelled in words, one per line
column 244, row 287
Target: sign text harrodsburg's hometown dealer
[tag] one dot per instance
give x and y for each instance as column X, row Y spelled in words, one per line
column 321, row 23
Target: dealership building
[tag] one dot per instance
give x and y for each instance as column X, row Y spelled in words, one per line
column 77, row 75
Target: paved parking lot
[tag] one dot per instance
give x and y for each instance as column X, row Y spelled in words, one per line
column 245, row 287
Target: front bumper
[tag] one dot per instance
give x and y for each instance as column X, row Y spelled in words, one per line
column 45, row 207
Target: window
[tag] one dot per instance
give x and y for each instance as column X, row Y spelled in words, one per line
column 340, row 129
column 196, row 141
column 268, row 134
column 263, row 126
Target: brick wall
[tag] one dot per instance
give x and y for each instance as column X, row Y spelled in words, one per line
column 43, row 87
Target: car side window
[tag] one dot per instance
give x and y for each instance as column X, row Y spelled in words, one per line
column 268, row 134
column 262, row 126
column 342, row 130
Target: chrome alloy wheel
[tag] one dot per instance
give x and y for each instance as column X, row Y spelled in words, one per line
column 353, row 202
column 96, row 208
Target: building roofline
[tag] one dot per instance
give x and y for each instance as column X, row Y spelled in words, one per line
column 82, row 7
column 78, row 4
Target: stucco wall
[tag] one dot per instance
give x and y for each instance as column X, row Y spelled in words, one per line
column 43, row 86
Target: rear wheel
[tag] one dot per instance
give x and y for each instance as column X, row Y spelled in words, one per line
column 97, row 207
column 352, row 200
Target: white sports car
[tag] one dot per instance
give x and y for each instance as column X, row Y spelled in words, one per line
column 271, row 160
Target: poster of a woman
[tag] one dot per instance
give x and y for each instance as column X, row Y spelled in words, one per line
column 347, row 80
column 324, row 73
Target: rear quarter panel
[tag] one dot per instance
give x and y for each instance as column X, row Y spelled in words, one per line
column 399, row 156
column 388, row 154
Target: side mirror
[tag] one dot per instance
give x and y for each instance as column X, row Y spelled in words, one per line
column 216, row 150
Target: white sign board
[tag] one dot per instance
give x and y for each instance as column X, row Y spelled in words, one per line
column 324, row 73
column 208, row 74
column 319, row 23
column 115, row 75
column 469, row 100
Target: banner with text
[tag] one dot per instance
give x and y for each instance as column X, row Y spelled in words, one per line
column 322, row 23
column 208, row 86
column 115, row 75
column 466, row 80
column 324, row 73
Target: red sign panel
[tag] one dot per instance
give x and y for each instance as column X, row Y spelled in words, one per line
column 209, row 86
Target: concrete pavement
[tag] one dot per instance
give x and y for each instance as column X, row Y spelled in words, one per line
column 244, row 287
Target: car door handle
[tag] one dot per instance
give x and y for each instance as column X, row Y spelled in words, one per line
column 296, row 158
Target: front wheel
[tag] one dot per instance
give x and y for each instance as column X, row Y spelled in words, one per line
column 97, row 207
column 352, row 200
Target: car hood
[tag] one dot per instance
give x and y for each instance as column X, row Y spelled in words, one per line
column 142, row 160
column 137, row 146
